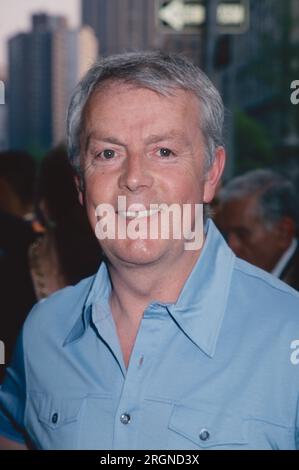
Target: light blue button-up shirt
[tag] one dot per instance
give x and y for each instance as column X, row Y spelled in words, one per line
column 218, row 369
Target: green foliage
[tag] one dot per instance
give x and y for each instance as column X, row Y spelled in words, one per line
column 253, row 146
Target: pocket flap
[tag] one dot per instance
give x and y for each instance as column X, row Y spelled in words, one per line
column 56, row 411
column 208, row 429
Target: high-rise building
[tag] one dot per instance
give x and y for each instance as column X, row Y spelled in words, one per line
column 44, row 66
column 130, row 25
column 73, row 52
column 121, row 25
column 29, row 98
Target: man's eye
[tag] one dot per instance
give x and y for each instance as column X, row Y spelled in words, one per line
column 107, row 154
column 165, row 152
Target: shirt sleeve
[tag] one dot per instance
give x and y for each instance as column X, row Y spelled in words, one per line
column 13, row 397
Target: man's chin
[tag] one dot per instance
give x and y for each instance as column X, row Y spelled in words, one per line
column 137, row 252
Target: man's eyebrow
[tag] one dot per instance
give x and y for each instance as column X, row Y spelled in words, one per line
column 151, row 139
column 102, row 138
column 154, row 138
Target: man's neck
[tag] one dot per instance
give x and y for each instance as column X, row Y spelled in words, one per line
column 134, row 287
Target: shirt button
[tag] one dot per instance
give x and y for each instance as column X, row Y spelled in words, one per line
column 204, row 435
column 125, row 418
column 54, row 418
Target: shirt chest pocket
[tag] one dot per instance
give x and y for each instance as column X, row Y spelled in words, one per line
column 54, row 422
column 195, row 428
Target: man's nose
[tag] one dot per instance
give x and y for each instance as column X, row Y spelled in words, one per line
column 135, row 174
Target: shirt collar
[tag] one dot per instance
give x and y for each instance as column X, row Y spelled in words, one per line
column 201, row 305
column 285, row 258
column 99, row 288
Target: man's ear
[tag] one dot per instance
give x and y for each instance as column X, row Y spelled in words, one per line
column 80, row 188
column 214, row 174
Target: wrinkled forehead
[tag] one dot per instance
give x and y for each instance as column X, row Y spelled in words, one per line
column 114, row 87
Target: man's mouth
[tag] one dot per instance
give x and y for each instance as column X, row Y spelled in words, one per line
column 138, row 214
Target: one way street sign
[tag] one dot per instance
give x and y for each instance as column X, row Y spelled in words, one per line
column 186, row 16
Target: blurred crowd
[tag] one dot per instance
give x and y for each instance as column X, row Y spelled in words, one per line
column 46, row 242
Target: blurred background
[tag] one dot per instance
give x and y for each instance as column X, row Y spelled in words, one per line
column 248, row 48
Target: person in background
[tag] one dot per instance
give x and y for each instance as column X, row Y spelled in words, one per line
column 68, row 250
column 17, row 175
column 258, row 215
column 35, row 265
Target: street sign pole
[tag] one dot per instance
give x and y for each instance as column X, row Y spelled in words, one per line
column 210, row 35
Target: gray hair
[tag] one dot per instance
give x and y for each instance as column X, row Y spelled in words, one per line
column 276, row 194
column 157, row 71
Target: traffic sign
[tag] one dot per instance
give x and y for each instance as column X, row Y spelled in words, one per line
column 178, row 14
column 188, row 16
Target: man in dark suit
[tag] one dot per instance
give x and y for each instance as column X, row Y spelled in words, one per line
column 258, row 214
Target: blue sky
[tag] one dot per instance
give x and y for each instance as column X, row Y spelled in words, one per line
column 15, row 16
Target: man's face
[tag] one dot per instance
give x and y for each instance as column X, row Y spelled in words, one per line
column 148, row 148
column 247, row 234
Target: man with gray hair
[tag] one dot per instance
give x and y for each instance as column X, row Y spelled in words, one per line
column 166, row 347
column 258, row 215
